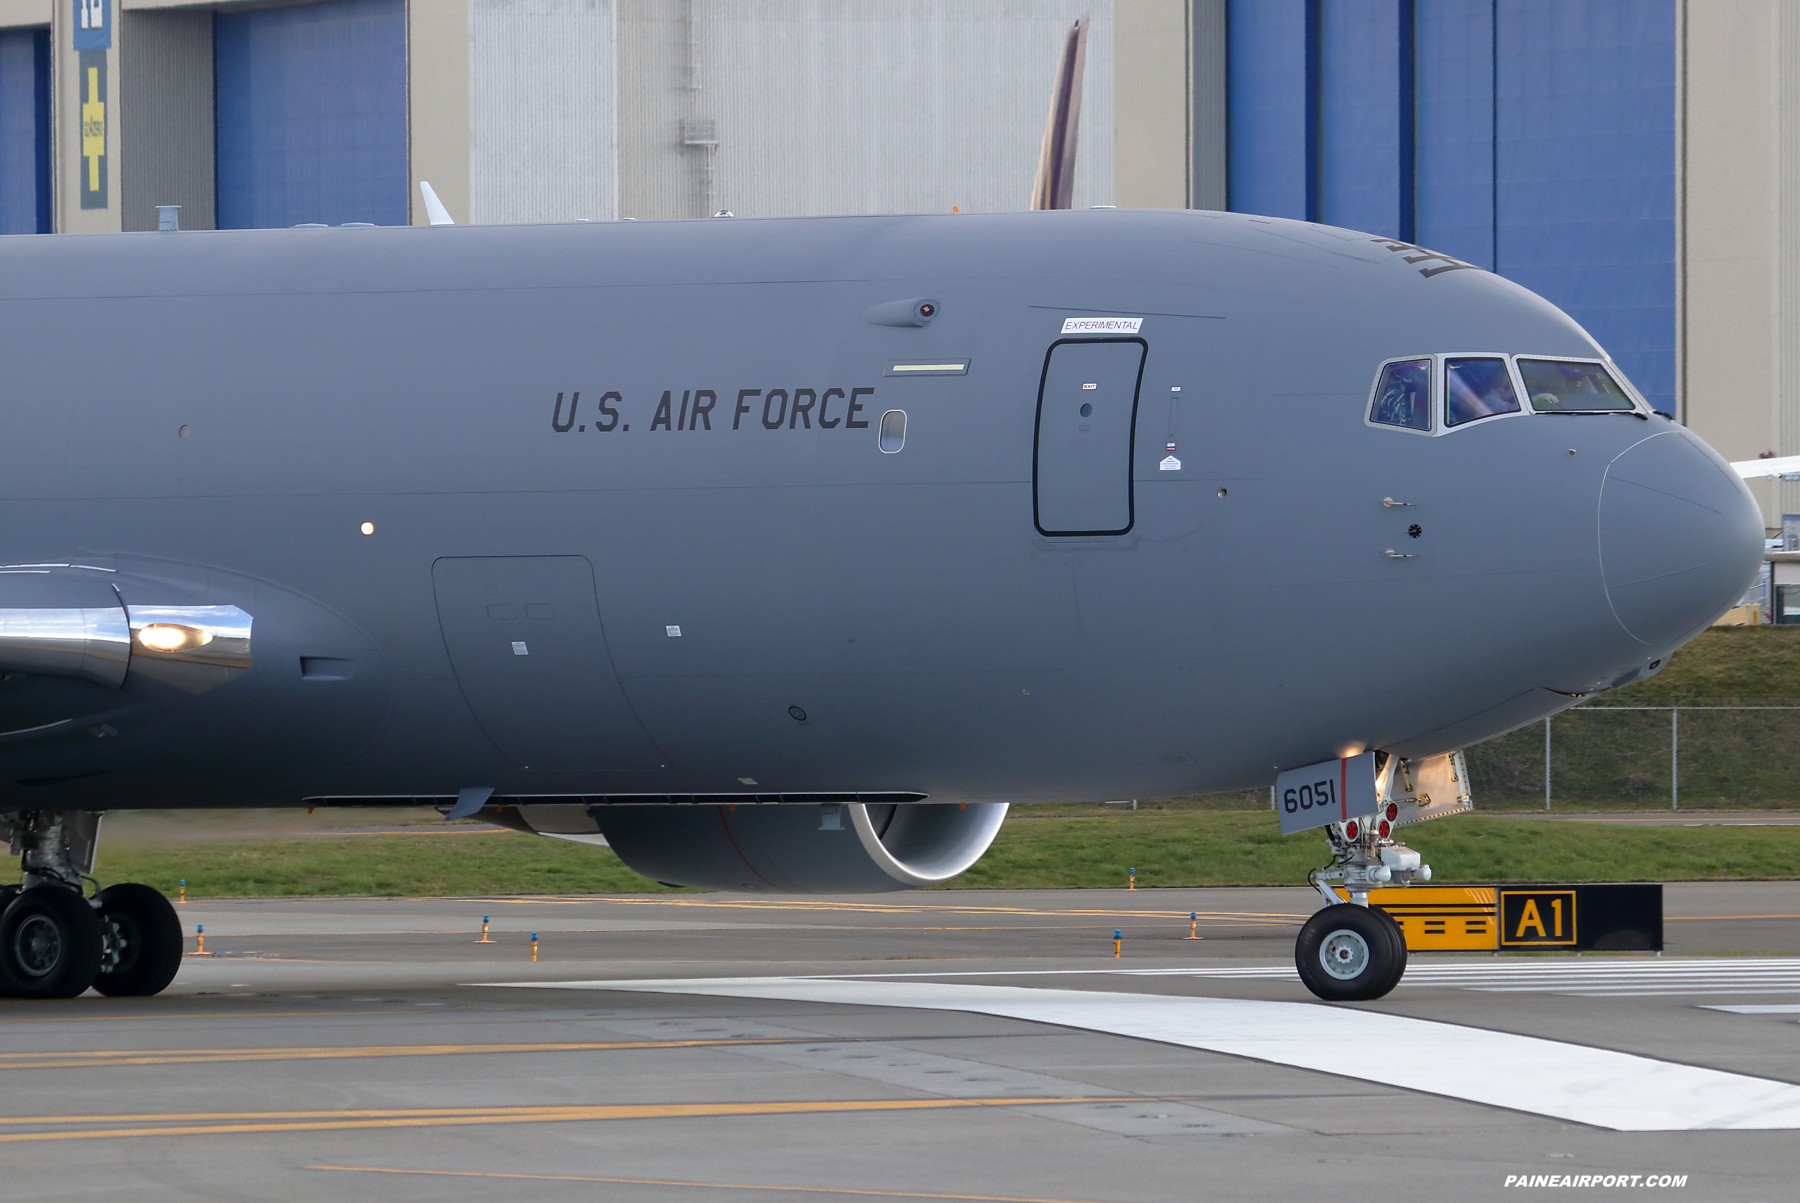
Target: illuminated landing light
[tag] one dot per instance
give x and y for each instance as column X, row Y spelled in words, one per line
column 168, row 637
column 1352, row 749
column 367, row 528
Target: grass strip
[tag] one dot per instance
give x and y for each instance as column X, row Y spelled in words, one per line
column 505, row 862
column 1248, row 849
column 1166, row 848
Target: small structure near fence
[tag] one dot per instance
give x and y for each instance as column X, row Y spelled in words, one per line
column 1642, row 754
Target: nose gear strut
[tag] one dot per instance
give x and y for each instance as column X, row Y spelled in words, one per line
column 1351, row 950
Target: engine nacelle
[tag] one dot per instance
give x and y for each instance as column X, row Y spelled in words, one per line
column 834, row 848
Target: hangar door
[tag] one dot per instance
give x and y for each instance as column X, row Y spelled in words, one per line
column 1087, row 413
column 311, row 114
column 24, row 131
column 525, row 641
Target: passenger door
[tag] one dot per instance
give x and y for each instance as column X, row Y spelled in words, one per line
column 525, row 640
column 1087, row 413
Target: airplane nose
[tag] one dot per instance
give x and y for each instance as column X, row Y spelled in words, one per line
column 1680, row 538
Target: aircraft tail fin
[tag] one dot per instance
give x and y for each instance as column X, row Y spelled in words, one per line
column 1055, row 186
column 434, row 208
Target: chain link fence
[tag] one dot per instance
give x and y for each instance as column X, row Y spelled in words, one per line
column 1701, row 757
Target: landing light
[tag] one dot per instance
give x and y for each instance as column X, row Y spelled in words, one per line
column 168, row 637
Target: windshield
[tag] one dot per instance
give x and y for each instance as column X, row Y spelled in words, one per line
column 1477, row 388
column 1557, row 386
column 1403, row 398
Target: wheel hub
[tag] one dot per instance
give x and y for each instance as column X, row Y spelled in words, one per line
column 118, row 943
column 37, row 946
column 1344, row 954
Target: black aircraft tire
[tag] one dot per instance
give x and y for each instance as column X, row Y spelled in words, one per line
column 49, row 944
column 1358, row 944
column 1399, row 944
column 150, row 938
column 7, row 894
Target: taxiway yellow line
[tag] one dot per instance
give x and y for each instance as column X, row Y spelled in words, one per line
column 332, row 835
column 877, row 908
column 762, row 1186
column 123, row 1016
column 195, row 1056
column 224, row 1124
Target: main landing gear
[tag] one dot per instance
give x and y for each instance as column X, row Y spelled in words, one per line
column 54, row 941
column 1351, row 951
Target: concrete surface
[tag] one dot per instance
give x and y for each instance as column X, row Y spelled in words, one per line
column 339, row 1047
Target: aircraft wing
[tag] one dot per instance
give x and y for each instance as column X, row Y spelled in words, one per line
column 1783, row 466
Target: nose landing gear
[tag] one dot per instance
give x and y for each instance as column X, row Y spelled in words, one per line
column 1350, row 951
column 55, row 942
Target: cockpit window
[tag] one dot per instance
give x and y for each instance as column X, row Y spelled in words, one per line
column 1557, row 386
column 1403, row 395
column 1477, row 388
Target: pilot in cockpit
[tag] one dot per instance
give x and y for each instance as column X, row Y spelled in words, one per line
column 1405, row 396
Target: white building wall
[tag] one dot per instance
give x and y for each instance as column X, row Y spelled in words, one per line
column 1740, row 182
column 543, row 113
column 1786, row 307
column 869, row 106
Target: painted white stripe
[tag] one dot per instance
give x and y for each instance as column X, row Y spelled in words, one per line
column 1759, row 1009
column 1521, row 968
column 1600, row 1087
column 1595, row 979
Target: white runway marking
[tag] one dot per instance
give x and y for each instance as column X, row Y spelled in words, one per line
column 1600, row 1087
column 1591, row 979
column 1757, row 1008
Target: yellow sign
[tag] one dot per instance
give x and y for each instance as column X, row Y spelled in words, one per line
column 1537, row 917
column 1441, row 918
column 93, row 129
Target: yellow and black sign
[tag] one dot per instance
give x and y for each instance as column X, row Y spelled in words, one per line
column 93, row 129
column 1538, row 918
column 1622, row 917
column 1441, row 918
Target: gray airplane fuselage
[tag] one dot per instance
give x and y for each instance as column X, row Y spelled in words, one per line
column 210, row 419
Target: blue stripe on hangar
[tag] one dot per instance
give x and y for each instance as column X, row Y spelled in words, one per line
column 25, row 131
column 1532, row 137
column 311, row 104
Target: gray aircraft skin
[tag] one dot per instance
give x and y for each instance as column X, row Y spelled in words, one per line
column 1003, row 610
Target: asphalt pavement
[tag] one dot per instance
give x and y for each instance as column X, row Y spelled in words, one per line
column 963, row 1045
